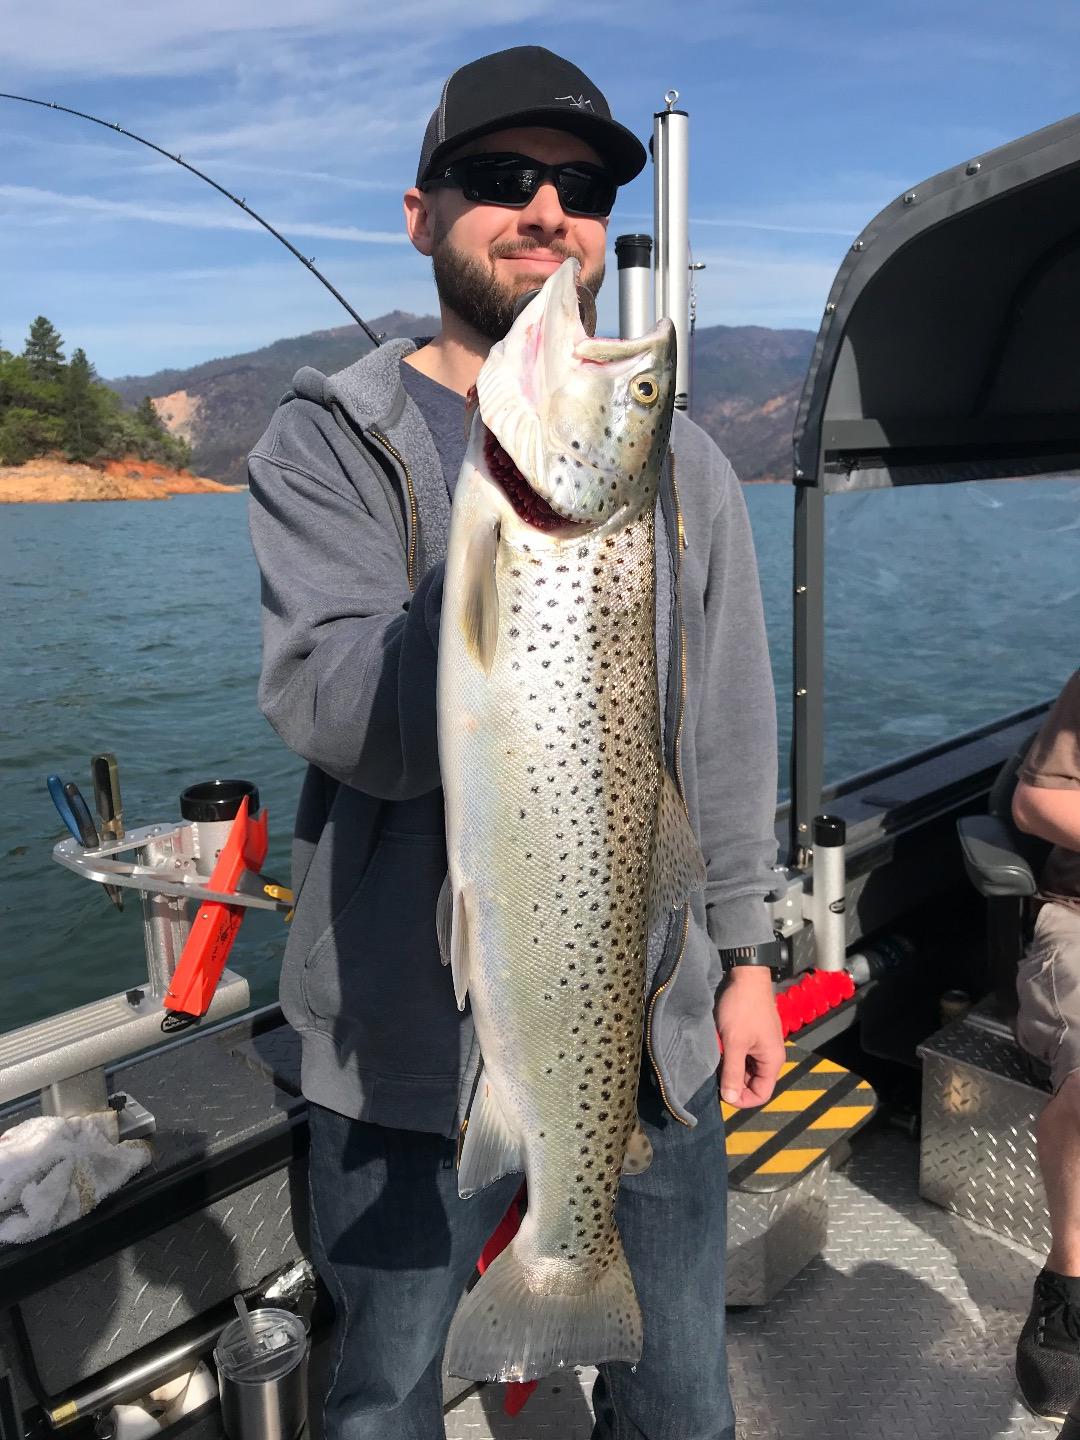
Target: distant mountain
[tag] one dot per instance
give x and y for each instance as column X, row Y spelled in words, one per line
column 744, row 390
column 222, row 406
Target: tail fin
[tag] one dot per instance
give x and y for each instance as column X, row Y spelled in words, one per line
column 503, row 1330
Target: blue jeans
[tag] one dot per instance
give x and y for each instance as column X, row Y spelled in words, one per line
column 396, row 1246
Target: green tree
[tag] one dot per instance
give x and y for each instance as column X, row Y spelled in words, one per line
column 147, row 417
column 46, row 405
column 44, row 350
column 26, row 433
column 86, row 418
column 19, row 387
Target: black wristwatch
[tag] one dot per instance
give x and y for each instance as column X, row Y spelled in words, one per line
column 767, row 954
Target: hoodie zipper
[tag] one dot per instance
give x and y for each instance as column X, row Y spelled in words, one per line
column 680, row 546
column 410, row 556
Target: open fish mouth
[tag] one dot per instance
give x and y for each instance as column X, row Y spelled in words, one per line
column 575, row 425
column 530, row 507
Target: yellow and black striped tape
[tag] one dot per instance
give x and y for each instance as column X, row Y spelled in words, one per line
column 816, row 1104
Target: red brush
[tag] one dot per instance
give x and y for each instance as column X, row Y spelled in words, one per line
column 214, row 927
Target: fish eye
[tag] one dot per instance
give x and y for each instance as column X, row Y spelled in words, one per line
column 644, row 390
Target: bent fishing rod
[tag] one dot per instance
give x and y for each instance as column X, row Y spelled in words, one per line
column 307, row 262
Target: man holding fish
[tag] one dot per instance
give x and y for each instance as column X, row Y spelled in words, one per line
column 541, row 746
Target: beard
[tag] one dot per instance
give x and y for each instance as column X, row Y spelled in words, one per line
column 486, row 304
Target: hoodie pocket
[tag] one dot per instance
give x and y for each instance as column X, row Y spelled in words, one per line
column 374, row 979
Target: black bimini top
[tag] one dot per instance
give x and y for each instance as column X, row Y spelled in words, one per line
column 950, row 347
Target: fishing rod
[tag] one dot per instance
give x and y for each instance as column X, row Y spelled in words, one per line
column 307, row 262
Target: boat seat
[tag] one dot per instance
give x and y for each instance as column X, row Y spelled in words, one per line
column 1003, row 864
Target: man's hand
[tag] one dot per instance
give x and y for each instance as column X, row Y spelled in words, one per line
column 751, row 1037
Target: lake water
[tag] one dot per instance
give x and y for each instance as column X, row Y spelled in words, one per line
column 134, row 628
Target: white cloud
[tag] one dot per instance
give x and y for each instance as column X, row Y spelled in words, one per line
column 192, row 217
column 132, row 37
column 840, row 207
column 740, row 288
column 138, row 321
column 733, row 222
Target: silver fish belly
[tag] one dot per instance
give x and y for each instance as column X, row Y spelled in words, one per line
column 553, row 775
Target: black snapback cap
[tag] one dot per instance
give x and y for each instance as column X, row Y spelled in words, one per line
column 526, row 85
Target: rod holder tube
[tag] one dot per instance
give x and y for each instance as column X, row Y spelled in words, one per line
column 827, row 899
column 634, row 256
column 166, row 922
column 211, row 807
column 671, row 203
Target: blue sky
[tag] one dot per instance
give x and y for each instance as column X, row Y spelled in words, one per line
column 805, row 120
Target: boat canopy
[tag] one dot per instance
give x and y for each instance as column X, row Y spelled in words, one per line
column 950, row 345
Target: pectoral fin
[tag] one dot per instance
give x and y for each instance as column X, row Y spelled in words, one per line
column 480, row 596
column 678, row 868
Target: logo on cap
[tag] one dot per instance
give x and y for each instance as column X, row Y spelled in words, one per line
column 579, row 102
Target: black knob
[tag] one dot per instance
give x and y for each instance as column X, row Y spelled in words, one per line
column 829, row 830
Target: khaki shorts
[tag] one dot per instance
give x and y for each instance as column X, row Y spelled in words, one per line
column 1048, row 984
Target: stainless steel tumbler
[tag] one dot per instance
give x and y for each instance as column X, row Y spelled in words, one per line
column 263, row 1384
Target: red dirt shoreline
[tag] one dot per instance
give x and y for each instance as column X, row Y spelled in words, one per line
column 52, row 480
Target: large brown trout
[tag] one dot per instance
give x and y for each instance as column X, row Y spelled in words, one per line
column 567, row 839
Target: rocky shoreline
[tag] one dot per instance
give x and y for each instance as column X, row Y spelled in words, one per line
column 57, row 481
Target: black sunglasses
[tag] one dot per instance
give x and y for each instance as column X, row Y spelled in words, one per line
column 513, row 180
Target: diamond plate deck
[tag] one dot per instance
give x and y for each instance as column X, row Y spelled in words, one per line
column 903, row 1329
column 771, row 1237
column 979, row 1155
column 103, row 1312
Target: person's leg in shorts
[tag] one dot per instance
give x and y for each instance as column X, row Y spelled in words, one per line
column 395, row 1246
column 1048, row 1027
column 673, row 1223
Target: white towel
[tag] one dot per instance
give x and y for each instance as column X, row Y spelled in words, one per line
column 53, row 1169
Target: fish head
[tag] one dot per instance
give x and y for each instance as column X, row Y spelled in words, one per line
column 579, row 425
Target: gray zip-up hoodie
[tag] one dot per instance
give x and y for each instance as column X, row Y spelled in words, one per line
column 349, row 519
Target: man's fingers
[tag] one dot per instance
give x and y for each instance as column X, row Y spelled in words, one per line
column 760, row 1085
column 764, row 1072
column 733, row 1073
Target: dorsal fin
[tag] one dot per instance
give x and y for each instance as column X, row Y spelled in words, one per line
column 678, row 868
